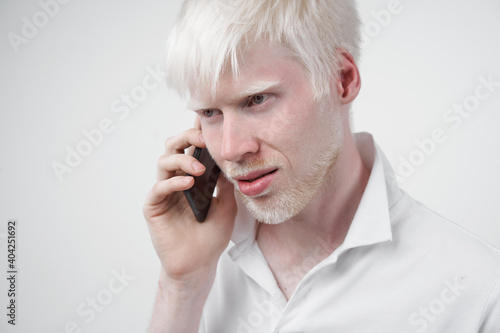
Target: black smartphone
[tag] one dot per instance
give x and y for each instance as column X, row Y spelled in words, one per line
column 200, row 195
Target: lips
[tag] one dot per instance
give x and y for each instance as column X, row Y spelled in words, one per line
column 256, row 182
column 255, row 175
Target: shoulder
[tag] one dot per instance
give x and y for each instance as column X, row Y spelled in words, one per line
column 420, row 230
column 439, row 229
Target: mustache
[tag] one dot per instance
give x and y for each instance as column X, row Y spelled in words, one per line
column 239, row 169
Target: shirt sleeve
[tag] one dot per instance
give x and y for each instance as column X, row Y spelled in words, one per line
column 490, row 322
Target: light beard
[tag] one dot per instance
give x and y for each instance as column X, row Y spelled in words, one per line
column 288, row 197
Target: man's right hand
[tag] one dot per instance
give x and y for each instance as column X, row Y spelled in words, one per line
column 188, row 250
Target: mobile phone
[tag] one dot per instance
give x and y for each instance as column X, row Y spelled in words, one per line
column 200, row 195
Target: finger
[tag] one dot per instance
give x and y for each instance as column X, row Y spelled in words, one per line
column 190, row 151
column 177, row 144
column 197, row 123
column 166, row 187
column 168, row 165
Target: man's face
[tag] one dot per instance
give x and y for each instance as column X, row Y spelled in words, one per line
column 272, row 140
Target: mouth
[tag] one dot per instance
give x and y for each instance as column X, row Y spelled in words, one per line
column 251, row 177
column 255, row 183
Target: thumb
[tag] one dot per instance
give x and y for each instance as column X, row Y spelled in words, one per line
column 225, row 195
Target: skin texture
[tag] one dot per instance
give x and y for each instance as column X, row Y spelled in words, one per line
column 267, row 116
column 294, row 129
column 281, row 127
column 188, row 250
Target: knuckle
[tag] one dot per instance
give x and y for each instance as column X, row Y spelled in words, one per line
column 156, row 187
column 161, row 161
column 160, row 186
column 168, row 142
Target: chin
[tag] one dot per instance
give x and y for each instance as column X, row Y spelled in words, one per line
column 276, row 209
column 283, row 202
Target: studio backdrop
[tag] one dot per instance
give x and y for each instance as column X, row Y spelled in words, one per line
column 85, row 111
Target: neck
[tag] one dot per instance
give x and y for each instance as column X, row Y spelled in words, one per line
column 322, row 225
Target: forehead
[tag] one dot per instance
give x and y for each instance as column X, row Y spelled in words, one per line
column 262, row 66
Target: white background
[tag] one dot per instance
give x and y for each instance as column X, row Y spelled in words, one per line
column 72, row 234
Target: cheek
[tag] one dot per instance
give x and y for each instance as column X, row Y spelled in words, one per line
column 276, row 130
column 296, row 125
column 308, row 136
column 212, row 141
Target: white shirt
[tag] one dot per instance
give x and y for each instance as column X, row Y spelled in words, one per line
column 401, row 269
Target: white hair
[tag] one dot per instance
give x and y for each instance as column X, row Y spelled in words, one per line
column 210, row 36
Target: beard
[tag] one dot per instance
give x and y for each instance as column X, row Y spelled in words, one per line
column 291, row 194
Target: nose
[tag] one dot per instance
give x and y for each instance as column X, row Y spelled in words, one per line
column 238, row 138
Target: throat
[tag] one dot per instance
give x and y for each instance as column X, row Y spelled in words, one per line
column 289, row 261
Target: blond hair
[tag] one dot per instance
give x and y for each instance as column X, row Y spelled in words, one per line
column 210, row 36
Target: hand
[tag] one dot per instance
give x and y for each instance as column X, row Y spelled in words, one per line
column 188, row 250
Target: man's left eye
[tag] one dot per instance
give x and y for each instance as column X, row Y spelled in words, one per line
column 258, row 99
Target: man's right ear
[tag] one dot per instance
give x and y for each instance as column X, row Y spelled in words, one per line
column 348, row 83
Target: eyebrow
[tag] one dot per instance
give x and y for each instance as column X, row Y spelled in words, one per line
column 252, row 89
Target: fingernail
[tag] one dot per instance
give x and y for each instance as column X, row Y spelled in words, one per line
column 202, row 139
column 197, row 166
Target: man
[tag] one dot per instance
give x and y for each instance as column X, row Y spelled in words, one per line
column 309, row 231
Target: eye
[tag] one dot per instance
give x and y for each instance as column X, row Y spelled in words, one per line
column 209, row 113
column 257, row 99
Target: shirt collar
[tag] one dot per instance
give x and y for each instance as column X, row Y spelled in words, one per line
column 371, row 223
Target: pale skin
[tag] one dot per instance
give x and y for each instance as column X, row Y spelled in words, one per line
column 284, row 126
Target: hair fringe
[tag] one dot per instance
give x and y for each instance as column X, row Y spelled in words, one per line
column 210, row 36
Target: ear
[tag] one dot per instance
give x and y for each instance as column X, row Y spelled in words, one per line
column 348, row 82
